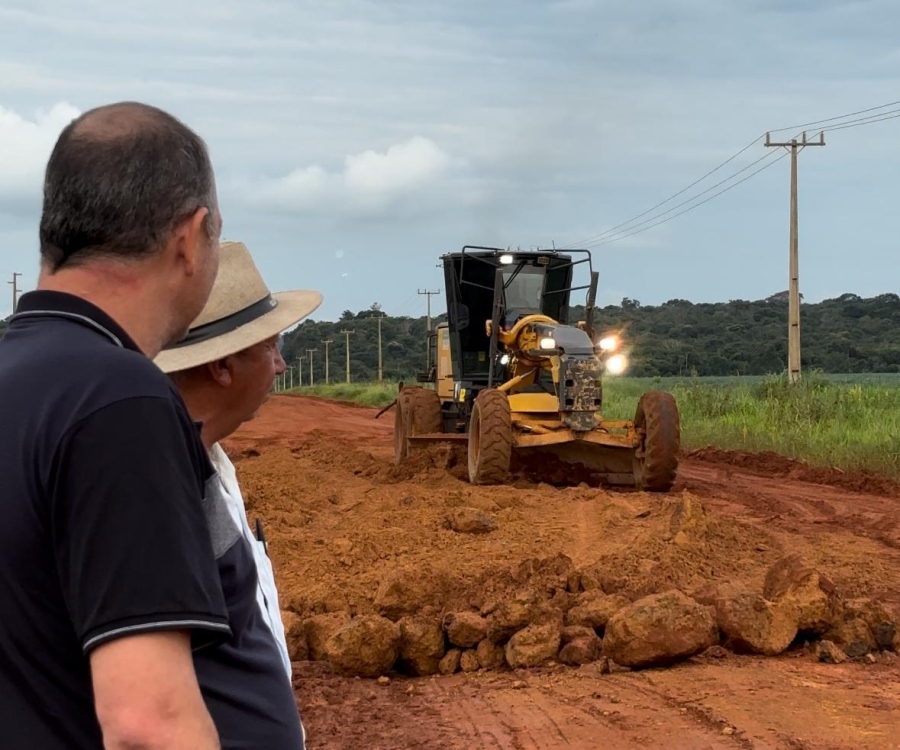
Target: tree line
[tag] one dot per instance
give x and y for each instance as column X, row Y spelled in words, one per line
column 847, row 334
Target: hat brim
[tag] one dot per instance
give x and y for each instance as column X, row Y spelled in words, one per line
column 292, row 307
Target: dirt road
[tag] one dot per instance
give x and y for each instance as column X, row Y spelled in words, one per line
column 340, row 518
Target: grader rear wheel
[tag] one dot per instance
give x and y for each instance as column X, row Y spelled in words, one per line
column 426, row 414
column 656, row 462
column 490, row 438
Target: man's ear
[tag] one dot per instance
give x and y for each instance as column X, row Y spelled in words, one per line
column 187, row 238
column 221, row 371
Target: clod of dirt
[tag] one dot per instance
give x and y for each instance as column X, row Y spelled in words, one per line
column 875, row 614
column 574, row 632
column 490, row 655
column 594, row 608
column 450, row 663
column 319, row 629
column 468, row 662
column 829, row 653
column 406, row 592
column 659, row 629
column 421, row 645
column 384, row 680
column 716, row 652
column 512, row 615
column 366, row 646
column 584, row 650
column 814, row 595
column 470, row 521
column 466, row 629
column 535, row 645
column 295, row 635
column 753, row 625
column 854, row 637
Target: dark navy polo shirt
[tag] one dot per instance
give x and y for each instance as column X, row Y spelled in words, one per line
column 113, row 524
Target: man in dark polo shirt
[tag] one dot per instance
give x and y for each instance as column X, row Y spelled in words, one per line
column 124, row 606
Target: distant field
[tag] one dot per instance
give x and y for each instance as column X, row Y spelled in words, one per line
column 849, row 422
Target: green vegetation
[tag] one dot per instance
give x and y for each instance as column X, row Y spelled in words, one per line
column 848, row 334
column 852, row 425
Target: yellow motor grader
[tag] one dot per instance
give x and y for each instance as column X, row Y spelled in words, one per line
column 509, row 374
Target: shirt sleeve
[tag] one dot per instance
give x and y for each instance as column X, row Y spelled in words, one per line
column 131, row 540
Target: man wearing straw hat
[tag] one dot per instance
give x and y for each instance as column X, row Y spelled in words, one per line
column 224, row 368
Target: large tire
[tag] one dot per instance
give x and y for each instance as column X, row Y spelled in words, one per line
column 402, row 425
column 656, row 464
column 426, row 415
column 490, row 438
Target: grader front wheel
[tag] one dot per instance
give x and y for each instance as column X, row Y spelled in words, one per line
column 656, row 461
column 490, row 438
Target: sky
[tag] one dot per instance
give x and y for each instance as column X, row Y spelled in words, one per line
column 356, row 141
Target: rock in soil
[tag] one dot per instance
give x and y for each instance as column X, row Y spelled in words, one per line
column 573, row 632
column 406, row 592
column 490, row 655
column 876, row 615
column 817, row 601
column 466, row 629
column 594, row 608
column 319, row 629
column 470, row 521
column 754, row 626
column 512, row 615
column 584, row 650
column 709, row 594
column 450, row 663
column 468, row 662
column 659, row 629
column 421, row 645
column 366, row 646
column 535, row 645
column 295, row 635
column 854, row 637
column 829, row 653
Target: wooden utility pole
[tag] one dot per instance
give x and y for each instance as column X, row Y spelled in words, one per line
column 347, row 340
column 300, row 371
column 326, row 342
column 291, row 371
column 309, row 353
column 795, row 148
column 15, row 290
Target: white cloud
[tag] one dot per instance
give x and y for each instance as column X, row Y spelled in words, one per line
column 371, row 183
column 25, row 146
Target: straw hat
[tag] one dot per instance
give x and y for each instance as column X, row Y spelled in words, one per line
column 240, row 312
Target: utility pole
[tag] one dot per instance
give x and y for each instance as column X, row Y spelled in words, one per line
column 326, row 342
column 309, row 353
column 300, row 371
column 429, row 295
column 15, row 290
column 291, row 371
column 794, row 289
column 347, row 341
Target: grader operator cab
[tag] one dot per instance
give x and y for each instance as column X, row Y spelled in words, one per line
column 510, row 373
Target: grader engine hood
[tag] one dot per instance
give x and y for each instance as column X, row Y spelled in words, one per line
column 577, row 371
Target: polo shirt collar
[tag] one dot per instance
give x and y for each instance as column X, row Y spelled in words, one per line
column 74, row 308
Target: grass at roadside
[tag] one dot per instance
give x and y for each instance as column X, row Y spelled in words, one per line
column 842, row 422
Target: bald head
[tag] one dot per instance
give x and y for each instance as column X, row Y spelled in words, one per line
column 120, row 179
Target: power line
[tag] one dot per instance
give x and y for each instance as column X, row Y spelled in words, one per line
column 671, row 197
column 839, row 117
column 629, row 225
column 687, row 210
column 690, row 200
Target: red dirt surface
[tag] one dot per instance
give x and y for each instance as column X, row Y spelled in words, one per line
column 340, row 518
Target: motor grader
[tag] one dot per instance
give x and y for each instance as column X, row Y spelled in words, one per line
column 508, row 374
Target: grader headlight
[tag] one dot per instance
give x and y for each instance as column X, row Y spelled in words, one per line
column 547, row 343
column 610, row 343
